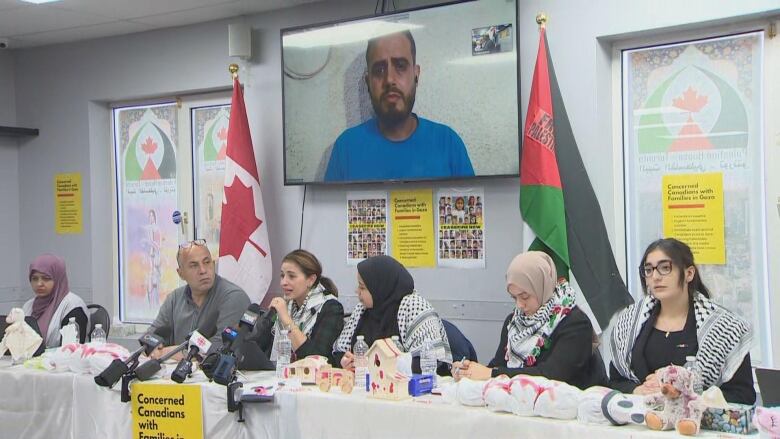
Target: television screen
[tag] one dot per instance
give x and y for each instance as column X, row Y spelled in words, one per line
column 424, row 94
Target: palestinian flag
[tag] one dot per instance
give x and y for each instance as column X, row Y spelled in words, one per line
column 557, row 200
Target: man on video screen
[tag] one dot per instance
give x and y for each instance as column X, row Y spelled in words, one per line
column 396, row 143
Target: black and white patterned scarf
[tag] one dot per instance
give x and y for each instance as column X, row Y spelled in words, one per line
column 724, row 339
column 524, row 332
column 304, row 316
column 417, row 322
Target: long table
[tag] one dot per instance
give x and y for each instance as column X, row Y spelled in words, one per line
column 48, row 405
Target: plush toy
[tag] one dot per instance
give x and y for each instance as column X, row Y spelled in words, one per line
column 682, row 407
column 19, row 337
column 768, row 422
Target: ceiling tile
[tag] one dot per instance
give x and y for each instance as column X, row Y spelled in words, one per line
column 80, row 33
column 23, row 21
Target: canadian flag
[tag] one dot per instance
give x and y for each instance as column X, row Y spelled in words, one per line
column 244, row 253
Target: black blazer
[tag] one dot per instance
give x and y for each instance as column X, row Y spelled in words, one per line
column 570, row 358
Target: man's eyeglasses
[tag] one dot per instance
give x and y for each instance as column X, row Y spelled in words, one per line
column 663, row 267
column 189, row 244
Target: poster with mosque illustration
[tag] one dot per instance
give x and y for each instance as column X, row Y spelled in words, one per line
column 696, row 108
column 209, row 143
column 147, row 195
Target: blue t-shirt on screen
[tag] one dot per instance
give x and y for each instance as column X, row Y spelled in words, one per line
column 433, row 150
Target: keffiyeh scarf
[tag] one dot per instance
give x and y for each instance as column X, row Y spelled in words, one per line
column 724, row 339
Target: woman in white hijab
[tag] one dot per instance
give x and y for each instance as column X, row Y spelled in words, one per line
column 546, row 334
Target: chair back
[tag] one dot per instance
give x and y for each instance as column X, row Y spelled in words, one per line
column 98, row 314
column 460, row 346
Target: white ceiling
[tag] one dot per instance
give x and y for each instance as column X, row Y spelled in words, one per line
column 28, row 25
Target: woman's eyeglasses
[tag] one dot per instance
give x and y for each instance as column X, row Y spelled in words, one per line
column 188, row 244
column 663, row 267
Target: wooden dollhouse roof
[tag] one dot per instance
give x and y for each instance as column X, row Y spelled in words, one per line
column 386, row 347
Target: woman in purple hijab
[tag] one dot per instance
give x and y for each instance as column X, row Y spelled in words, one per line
column 54, row 304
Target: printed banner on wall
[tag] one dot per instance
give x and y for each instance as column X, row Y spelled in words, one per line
column 146, row 154
column 696, row 108
column 67, row 203
column 693, row 213
column 367, row 226
column 461, row 231
column 209, row 140
column 413, row 239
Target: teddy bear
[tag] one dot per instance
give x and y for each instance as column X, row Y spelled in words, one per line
column 682, row 407
column 19, row 337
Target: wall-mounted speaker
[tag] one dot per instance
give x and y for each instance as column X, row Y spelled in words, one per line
column 240, row 40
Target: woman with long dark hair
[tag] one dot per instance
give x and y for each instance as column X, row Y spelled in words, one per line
column 675, row 319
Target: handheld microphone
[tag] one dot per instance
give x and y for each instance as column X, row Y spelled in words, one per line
column 198, row 344
column 268, row 319
column 225, row 368
column 148, row 369
column 113, row 373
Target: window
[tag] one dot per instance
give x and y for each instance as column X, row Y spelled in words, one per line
column 168, row 157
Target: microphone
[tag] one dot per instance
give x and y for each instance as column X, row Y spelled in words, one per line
column 113, row 373
column 268, row 319
column 148, row 369
column 225, row 368
column 198, row 344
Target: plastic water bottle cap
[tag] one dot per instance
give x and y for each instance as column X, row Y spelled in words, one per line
column 360, row 337
column 98, row 325
column 72, row 319
column 690, row 358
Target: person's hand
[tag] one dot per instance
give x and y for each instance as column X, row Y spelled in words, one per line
column 457, row 366
column 160, row 351
column 474, row 371
column 280, row 306
column 348, row 361
column 643, row 390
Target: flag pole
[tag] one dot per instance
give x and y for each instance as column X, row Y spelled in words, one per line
column 233, row 69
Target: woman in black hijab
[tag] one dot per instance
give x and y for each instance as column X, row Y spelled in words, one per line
column 390, row 306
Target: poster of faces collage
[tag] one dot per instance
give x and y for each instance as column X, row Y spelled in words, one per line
column 367, row 225
column 461, row 228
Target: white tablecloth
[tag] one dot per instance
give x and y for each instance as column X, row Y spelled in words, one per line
column 46, row 405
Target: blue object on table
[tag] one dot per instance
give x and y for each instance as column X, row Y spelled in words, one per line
column 420, row 384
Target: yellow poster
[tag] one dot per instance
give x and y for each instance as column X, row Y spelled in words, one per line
column 67, row 203
column 693, row 213
column 172, row 411
column 412, row 215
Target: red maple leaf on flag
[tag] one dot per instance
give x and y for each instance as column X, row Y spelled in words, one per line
column 149, row 146
column 690, row 101
column 238, row 222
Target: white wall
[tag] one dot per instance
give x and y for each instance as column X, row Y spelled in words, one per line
column 63, row 90
column 10, row 291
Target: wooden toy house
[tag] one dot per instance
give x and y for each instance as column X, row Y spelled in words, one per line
column 330, row 376
column 385, row 380
column 306, row 369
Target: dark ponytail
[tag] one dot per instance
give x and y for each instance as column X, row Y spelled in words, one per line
column 310, row 265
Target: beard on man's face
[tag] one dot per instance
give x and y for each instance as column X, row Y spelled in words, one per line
column 393, row 113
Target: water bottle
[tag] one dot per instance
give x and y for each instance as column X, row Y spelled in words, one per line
column 690, row 364
column 361, row 363
column 428, row 360
column 73, row 328
column 284, row 349
column 98, row 335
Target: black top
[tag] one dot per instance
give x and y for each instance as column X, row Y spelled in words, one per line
column 81, row 320
column 327, row 328
column 570, row 358
column 653, row 350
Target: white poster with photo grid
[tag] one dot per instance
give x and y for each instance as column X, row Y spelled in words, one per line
column 366, row 225
column 460, row 231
